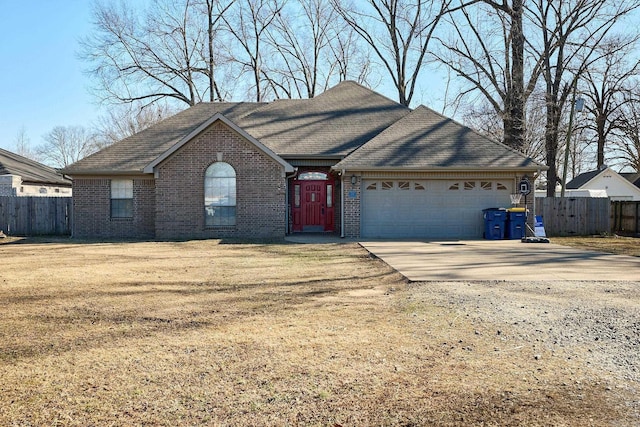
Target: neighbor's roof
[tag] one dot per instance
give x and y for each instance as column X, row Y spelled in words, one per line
column 29, row 170
column 332, row 124
column 632, row 177
column 583, row 178
column 426, row 140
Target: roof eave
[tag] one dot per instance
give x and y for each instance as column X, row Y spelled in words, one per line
column 313, row 156
column 102, row 172
column 532, row 168
column 150, row 168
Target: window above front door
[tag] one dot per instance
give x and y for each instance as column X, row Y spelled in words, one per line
column 312, row 176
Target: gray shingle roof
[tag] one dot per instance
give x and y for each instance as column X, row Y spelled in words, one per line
column 132, row 154
column 29, row 170
column 583, row 178
column 427, row 140
column 331, row 125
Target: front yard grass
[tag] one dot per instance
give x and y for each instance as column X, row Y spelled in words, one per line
column 620, row 245
column 208, row 333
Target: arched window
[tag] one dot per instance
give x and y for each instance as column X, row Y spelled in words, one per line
column 220, row 195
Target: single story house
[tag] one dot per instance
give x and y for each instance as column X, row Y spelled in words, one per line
column 617, row 186
column 349, row 161
column 20, row 176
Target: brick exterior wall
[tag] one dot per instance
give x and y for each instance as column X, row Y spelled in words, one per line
column 351, row 207
column 92, row 210
column 260, row 189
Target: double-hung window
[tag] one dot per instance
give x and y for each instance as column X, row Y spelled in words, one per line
column 122, row 198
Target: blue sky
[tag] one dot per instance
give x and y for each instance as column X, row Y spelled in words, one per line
column 41, row 80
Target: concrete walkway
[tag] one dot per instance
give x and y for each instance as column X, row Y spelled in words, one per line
column 501, row 260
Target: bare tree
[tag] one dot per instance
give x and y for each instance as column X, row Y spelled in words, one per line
column 627, row 146
column 314, row 49
column 23, row 145
column 486, row 48
column 351, row 60
column 607, row 81
column 157, row 53
column 568, row 32
column 248, row 23
column 65, row 145
column 125, row 120
column 399, row 33
column 483, row 118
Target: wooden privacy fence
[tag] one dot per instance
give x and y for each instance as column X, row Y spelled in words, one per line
column 33, row 216
column 625, row 217
column 574, row 216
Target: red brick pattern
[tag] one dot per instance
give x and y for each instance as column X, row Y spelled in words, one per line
column 92, row 210
column 260, row 189
column 351, row 196
column 171, row 206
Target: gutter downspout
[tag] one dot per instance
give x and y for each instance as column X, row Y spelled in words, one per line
column 342, row 204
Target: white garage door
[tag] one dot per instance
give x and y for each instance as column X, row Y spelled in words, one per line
column 436, row 209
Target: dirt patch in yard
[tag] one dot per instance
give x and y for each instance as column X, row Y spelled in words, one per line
column 200, row 332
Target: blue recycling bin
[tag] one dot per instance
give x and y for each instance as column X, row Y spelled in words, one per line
column 516, row 224
column 494, row 223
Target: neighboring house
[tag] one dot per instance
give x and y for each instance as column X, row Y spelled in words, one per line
column 20, row 176
column 632, row 177
column 349, row 161
column 618, row 187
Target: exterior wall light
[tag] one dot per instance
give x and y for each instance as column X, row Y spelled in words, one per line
column 354, row 179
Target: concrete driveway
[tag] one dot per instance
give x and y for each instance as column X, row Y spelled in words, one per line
column 501, row 260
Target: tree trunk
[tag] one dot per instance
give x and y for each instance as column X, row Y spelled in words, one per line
column 515, row 122
column 601, row 131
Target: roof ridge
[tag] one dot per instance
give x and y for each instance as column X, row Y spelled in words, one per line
column 358, row 85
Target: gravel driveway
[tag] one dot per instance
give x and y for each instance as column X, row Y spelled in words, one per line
column 596, row 323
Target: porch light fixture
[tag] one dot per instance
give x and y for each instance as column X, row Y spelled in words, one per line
column 354, row 179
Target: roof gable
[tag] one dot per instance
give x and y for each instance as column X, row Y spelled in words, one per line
column 217, row 117
column 607, row 179
column 29, row 170
column 427, row 140
column 132, row 154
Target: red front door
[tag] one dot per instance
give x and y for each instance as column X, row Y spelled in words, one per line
column 313, row 194
column 313, row 206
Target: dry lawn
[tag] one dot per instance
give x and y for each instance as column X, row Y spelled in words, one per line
column 612, row 244
column 207, row 333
